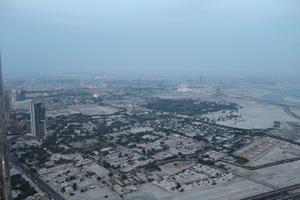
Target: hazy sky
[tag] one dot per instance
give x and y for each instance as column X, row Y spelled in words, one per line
column 152, row 36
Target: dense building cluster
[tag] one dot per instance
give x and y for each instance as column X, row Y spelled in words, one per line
column 87, row 139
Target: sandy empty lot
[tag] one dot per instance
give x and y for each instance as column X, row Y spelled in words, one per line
column 257, row 115
column 234, row 191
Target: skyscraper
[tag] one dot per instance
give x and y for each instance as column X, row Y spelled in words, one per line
column 38, row 119
column 5, row 187
column 21, row 95
column 14, row 95
column 18, row 95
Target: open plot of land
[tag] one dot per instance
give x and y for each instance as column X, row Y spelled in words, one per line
column 289, row 130
column 280, row 151
column 296, row 111
column 257, row 115
column 96, row 194
column 280, row 175
column 85, row 109
column 234, row 191
column 257, row 93
column 175, row 167
column 92, row 109
column 259, row 147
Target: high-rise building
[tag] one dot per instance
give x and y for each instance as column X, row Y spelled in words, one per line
column 38, row 120
column 5, row 187
column 14, row 95
column 18, row 95
column 21, row 95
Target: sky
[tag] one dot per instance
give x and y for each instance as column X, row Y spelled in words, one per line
column 150, row 36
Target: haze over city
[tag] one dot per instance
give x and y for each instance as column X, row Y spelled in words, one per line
column 169, row 36
column 149, row 100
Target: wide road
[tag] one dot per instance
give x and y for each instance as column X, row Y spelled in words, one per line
column 287, row 109
column 35, row 178
column 286, row 193
column 255, row 180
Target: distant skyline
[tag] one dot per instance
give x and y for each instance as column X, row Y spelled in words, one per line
column 153, row 36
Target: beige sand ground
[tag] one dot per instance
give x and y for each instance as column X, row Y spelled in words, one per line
column 258, row 115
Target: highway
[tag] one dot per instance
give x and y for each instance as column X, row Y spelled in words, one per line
column 291, row 197
column 279, row 162
column 255, row 181
column 287, row 109
column 35, row 178
column 286, row 193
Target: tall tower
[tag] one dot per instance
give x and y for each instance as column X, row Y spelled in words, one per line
column 14, row 95
column 21, row 95
column 5, row 187
column 18, row 95
column 38, row 119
